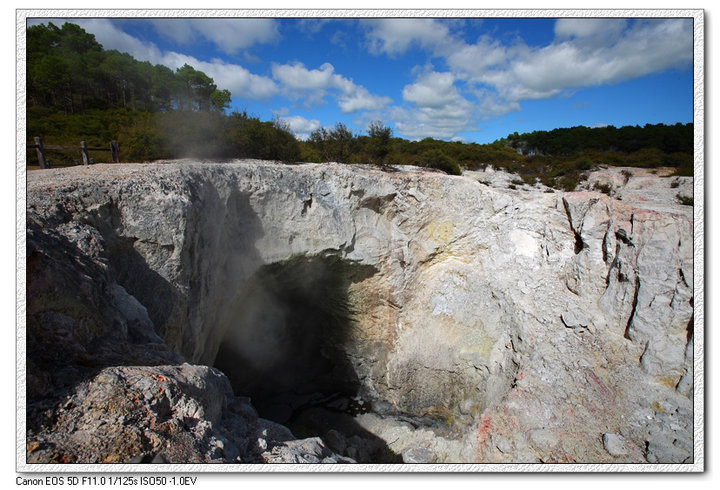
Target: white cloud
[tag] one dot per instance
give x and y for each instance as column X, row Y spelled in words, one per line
column 475, row 59
column 240, row 81
column 585, row 53
column 417, row 123
column 297, row 77
column 549, row 70
column 438, row 109
column 314, row 84
column 395, row 36
column 359, row 99
column 432, row 90
column 648, row 47
column 300, row 126
column 491, row 106
column 229, row 35
column 595, row 30
column 311, row 26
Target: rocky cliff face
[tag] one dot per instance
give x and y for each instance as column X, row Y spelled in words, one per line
column 381, row 316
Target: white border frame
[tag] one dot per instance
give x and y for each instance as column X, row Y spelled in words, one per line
column 699, row 245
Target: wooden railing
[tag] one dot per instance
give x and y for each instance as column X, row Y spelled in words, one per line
column 44, row 163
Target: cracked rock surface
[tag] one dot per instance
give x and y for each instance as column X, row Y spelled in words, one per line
column 471, row 322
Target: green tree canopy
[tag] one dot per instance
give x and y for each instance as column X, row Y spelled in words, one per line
column 68, row 71
column 380, row 137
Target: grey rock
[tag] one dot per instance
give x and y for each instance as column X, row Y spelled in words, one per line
column 667, row 451
column 574, row 319
column 419, row 455
column 543, row 439
column 158, row 459
column 614, row 444
column 353, row 453
column 311, row 450
column 336, row 441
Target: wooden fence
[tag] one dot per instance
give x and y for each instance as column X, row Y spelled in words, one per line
column 44, row 163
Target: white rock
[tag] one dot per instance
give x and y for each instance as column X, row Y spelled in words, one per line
column 614, row 444
column 574, row 319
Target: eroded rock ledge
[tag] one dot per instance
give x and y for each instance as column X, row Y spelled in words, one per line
column 382, row 316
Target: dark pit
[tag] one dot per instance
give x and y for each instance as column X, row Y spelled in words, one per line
column 284, row 346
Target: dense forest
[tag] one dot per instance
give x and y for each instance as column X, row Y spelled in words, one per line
column 76, row 90
column 568, row 141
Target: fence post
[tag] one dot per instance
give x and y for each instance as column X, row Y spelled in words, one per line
column 83, row 149
column 115, row 151
column 41, row 153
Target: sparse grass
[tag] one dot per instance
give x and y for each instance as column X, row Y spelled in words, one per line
column 603, row 187
column 627, row 174
column 685, row 170
column 529, row 179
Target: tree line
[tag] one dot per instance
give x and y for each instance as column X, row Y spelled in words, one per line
column 76, row 91
column 677, row 138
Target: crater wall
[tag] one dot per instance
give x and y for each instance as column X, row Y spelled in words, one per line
column 482, row 324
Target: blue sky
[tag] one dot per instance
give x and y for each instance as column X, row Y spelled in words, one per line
column 473, row 80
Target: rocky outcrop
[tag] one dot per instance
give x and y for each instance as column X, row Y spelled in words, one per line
column 167, row 414
column 430, row 318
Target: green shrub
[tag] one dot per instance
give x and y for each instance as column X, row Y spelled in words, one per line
column 614, row 158
column 647, row 158
column 568, row 182
column 143, row 144
column 308, row 153
column 248, row 137
column 334, row 145
column 379, row 142
column 685, row 170
column 583, row 163
column 439, row 160
column 685, row 200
